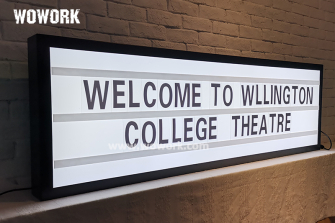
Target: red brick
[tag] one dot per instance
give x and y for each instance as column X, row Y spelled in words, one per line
column 225, row 28
column 301, row 9
column 107, row 25
column 201, row 49
column 96, row 7
column 238, row 18
column 250, row 32
column 13, row 51
column 281, row 26
column 182, row 36
column 299, row 30
column 183, row 7
column 283, row 4
column 301, row 51
column 294, row 18
column 255, row 9
column 330, row 36
column 273, row 56
column 126, row 12
column 317, row 14
column 212, row 13
column 329, row 26
column 168, row 45
column 312, row 3
column 311, row 22
column 330, row 17
column 293, row 58
column 127, row 40
column 6, row 11
column 327, row 6
column 272, row 36
column 51, row 3
column 235, row 5
column 238, row 43
column 261, row 22
column 282, row 48
column 164, row 18
column 261, row 46
column 122, row 1
column 145, row 30
column 198, row 24
column 4, row 71
column 85, row 35
column 155, row 4
column 15, row 32
column 313, row 43
column 293, row 40
column 225, row 51
column 328, row 74
column 262, row 2
column 210, row 39
column 328, row 83
column 276, row 14
column 253, row 54
column 204, row 2
column 19, row 70
column 317, row 33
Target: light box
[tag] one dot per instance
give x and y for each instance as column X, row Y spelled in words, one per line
column 105, row 115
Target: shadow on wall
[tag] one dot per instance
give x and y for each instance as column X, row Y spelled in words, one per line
column 14, row 127
column 327, row 220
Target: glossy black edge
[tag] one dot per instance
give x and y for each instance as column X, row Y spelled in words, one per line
column 41, row 120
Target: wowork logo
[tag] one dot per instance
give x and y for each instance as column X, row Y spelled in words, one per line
column 43, row 16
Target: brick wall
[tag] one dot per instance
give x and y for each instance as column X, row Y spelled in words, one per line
column 290, row 30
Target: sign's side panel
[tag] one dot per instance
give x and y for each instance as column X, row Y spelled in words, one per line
column 34, row 117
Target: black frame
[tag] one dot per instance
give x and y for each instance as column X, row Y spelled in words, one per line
column 41, row 122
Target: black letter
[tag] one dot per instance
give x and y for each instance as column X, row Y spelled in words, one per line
column 117, row 93
column 203, row 129
column 276, row 94
column 287, row 129
column 174, row 139
column 161, row 140
column 263, row 127
column 131, row 103
column 96, row 87
column 280, row 122
column 161, row 95
column 153, row 133
column 235, row 118
column 309, row 95
column 215, row 93
column 247, row 94
column 294, row 91
column 272, row 116
column 257, row 101
column 253, row 124
column 187, row 129
column 146, row 95
column 302, row 101
column 288, row 95
column 265, row 101
column 224, row 95
column 182, row 99
column 211, row 127
column 194, row 95
column 127, row 134
column 245, row 125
